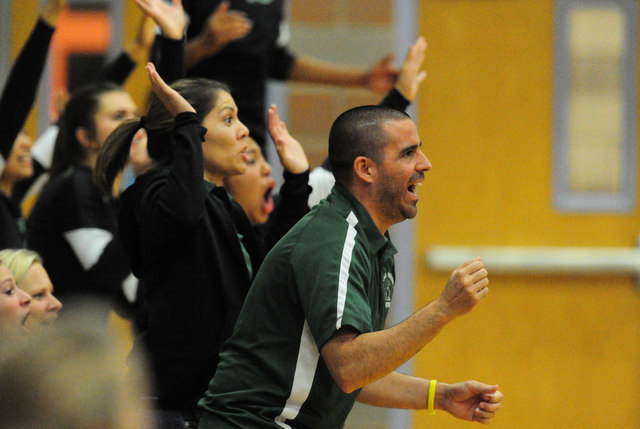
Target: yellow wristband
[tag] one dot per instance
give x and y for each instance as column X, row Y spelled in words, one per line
column 432, row 396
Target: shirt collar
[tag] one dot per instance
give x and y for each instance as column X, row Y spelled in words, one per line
column 347, row 202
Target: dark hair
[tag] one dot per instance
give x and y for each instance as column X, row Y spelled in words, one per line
column 359, row 132
column 79, row 112
column 201, row 93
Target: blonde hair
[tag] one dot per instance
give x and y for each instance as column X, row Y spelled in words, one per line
column 19, row 261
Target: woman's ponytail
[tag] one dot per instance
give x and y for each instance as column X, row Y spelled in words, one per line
column 114, row 154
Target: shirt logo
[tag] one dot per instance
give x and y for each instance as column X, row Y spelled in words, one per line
column 387, row 287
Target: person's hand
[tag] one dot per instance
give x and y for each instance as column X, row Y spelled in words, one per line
column 465, row 288
column 172, row 100
column 382, row 76
column 139, row 158
column 169, row 17
column 51, row 11
column 226, row 25
column 469, row 400
column 290, row 151
column 410, row 76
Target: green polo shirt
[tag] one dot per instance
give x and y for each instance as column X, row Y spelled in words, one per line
column 333, row 269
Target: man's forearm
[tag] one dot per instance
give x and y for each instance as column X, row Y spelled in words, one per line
column 396, row 391
column 198, row 49
column 358, row 360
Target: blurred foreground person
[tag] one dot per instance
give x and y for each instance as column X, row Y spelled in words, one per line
column 71, row 378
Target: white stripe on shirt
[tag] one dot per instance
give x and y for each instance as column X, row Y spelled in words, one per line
column 306, row 364
column 345, row 264
column 88, row 244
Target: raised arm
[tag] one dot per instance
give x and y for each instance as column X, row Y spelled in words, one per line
column 172, row 100
column 121, row 67
column 403, row 93
column 379, row 78
column 294, row 192
column 411, row 76
column 177, row 200
column 172, row 22
column 223, row 26
column 20, row 89
column 289, row 150
column 169, row 17
column 356, row 360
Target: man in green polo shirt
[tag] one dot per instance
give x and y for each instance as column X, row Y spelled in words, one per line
column 310, row 339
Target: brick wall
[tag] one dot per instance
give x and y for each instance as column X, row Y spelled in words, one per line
column 343, row 32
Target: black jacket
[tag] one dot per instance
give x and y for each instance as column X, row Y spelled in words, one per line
column 16, row 101
column 183, row 242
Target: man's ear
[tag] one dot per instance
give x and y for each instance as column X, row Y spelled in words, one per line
column 82, row 135
column 365, row 169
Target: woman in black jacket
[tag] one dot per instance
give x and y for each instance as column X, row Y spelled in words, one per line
column 16, row 101
column 191, row 244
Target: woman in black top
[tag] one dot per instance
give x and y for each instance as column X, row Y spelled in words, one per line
column 192, row 245
column 73, row 224
column 17, row 99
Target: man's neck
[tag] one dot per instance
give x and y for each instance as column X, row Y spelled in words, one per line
column 366, row 197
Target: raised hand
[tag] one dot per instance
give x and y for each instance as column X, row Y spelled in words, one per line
column 465, row 288
column 410, row 76
column 172, row 100
column 382, row 76
column 470, row 400
column 290, row 151
column 169, row 17
column 226, row 25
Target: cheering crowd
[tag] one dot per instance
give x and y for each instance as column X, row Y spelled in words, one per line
column 249, row 309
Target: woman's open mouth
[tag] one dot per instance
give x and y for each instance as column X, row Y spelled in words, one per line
column 267, row 199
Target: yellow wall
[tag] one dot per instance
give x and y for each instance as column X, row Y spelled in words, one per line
column 137, row 85
column 564, row 349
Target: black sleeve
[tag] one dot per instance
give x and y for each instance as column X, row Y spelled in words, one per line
column 281, row 63
column 167, row 54
column 178, row 201
column 118, row 69
column 292, row 206
column 395, row 100
column 22, row 84
column 171, row 65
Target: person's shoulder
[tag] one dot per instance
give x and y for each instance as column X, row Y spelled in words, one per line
column 144, row 184
column 324, row 226
column 79, row 181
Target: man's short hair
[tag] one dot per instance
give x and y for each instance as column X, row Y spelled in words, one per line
column 359, row 132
